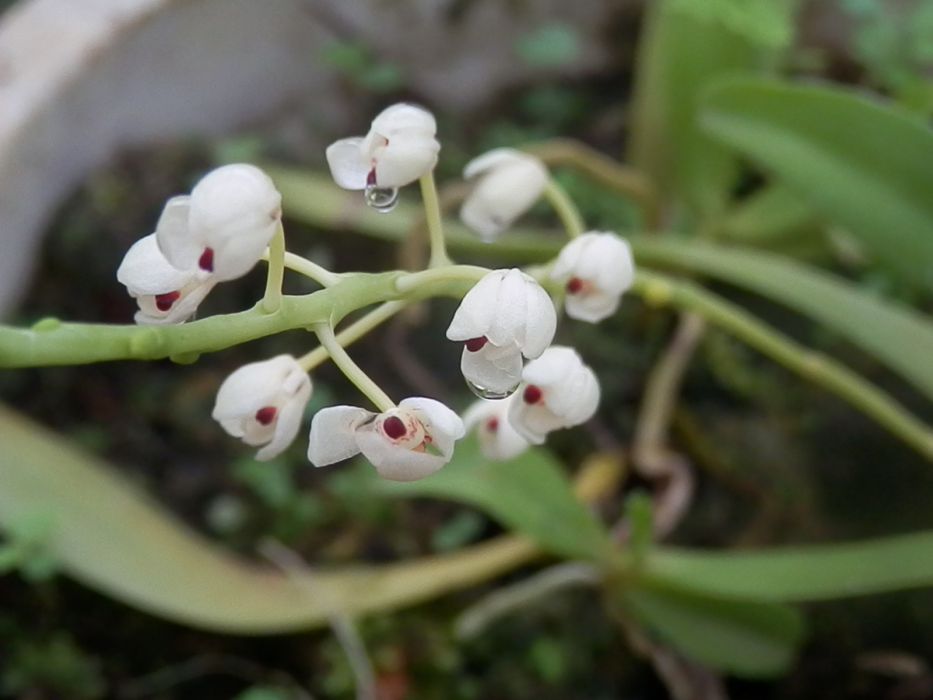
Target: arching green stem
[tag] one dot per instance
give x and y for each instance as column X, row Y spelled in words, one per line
column 351, row 370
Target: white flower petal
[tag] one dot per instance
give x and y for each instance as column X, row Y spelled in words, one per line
column 498, row 370
column 511, row 183
column 235, row 211
column 174, row 237
column 541, row 321
column 532, row 421
column 280, row 384
column 145, row 270
column 511, row 317
column 603, row 265
column 442, row 425
column 333, row 434
column 476, row 312
column 191, row 296
column 406, row 158
column 349, row 164
column 395, row 462
column 404, row 116
column 498, row 440
column 592, row 307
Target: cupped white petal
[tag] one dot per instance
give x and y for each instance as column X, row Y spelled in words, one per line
column 179, row 311
column 510, row 183
column 541, row 322
column 532, row 421
column 498, row 440
column 511, row 318
column 349, row 164
column 404, row 116
column 174, row 236
column 407, row 157
column 478, row 308
column 393, row 461
column 591, row 307
column 333, row 435
column 288, row 421
column 145, row 270
column 254, row 386
column 491, row 368
column 235, row 211
column 441, row 424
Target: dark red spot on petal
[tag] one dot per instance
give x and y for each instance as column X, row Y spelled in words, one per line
column 206, row 261
column 492, row 425
column 532, row 394
column 164, row 302
column 266, row 414
column 476, row 344
column 574, row 285
column 394, row 427
column 371, row 178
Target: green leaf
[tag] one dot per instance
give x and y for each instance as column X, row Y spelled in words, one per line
column 794, row 574
column 115, row 540
column 680, row 55
column 766, row 22
column 892, row 333
column 773, row 215
column 858, row 162
column 744, row 639
column 529, row 494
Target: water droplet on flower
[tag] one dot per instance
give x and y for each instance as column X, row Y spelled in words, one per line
column 485, row 393
column 382, row 199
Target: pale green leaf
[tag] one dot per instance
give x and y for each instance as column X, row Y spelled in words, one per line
column 680, row 55
column 806, row 573
column 894, row 334
column 859, row 162
column 112, row 538
column 740, row 638
column 529, row 494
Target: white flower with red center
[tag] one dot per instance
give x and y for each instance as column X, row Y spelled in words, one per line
column 400, row 148
column 595, row 269
column 498, row 440
column 224, row 226
column 217, row 233
column 164, row 293
column 559, row 392
column 262, row 403
column 506, row 315
column 405, row 443
column 509, row 183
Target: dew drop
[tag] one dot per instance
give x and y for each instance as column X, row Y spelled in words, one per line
column 485, row 393
column 382, row 199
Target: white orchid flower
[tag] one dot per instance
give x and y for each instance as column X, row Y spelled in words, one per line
column 399, row 149
column 560, row 392
column 498, row 440
column 262, row 403
column 224, row 226
column 595, row 269
column 404, row 444
column 164, row 293
column 506, row 315
column 510, row 182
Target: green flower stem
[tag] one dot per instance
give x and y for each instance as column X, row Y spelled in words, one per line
column 456, row 274
column 353, row 332
column 432, row 213
column 52, row 342
column 353, row 372
column 626, row 180
column 272, row 299
column 567, row 211
column 660, row 290
column 303, row 266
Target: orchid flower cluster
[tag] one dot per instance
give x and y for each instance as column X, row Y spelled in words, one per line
column 506, row 321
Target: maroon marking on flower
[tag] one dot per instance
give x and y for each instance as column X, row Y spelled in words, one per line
column 206, row 261
column 476, row 344
column 164, row 302
column 532, row 394
column 492, row 425
column 394, row 427
column 371, row 178
column 574, row 285
column 266, row 414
